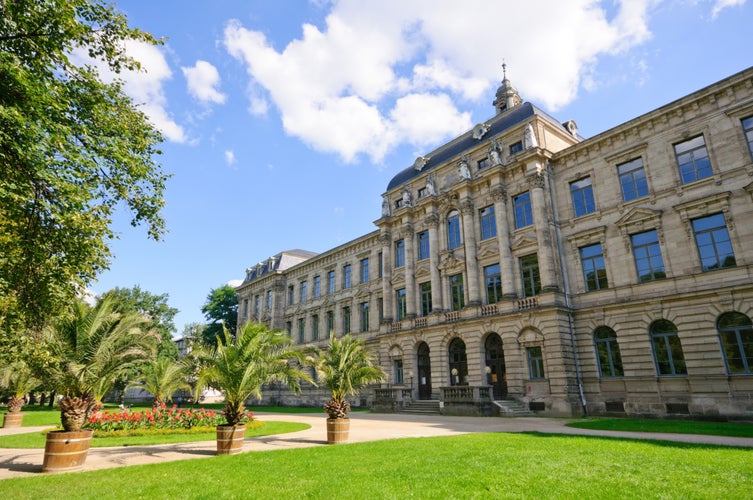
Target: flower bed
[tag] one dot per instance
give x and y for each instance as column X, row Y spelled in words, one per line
column 164, row 419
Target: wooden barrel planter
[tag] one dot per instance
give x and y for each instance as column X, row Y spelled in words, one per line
column 338, row 430
column 66, row 451
column 13, row 419
column 230, row 439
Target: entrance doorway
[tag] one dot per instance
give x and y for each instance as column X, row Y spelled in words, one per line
column 495, row 364
column 458, row 363
column 424, row 371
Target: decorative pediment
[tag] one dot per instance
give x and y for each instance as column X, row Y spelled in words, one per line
column 423, row 270
column 530, row 336
column 588, row 237
column 639, row 217
column 363, row 292
column 449, row 262
column 526, row 240
column 396, row 352
column 487, row 250
column 398, row 279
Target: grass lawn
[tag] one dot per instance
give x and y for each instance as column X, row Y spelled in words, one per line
column 491, row 465
column 37, row 439
column 672, row 426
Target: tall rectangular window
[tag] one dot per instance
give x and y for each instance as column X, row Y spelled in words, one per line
column 693, row 159
column 493, row 280
column 530, row 277
column 632, row 180
column 399, row 253
column 712, row 240
column 457, row 292
column 647, row 254
column 304, row 290
column 317, row 286
column 364, row 313
column 256, row 305
column 488, row 223
column 523, row 210
column 291, row 295
column 315, row 327
column 347, row 276
column 583, row 197
column 364, row 271
column 346, row 320
column 425, row 290
column 301, row 330
column 398, row 371
column 289, row 328
column 331, row 282
column 269, row 299
column 245, row 308
column 330, row 323
column 400, row 304
column 535, row 362
column 423, row 245
column 453, row 230
column 594, row 270
column 748, row 129
column 380, row 266
column 380, row 309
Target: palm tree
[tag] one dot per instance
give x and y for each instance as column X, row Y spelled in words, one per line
column 344, row 369
column 241, row 365
column 163, row 377
column 91, row 348
column 18, row 379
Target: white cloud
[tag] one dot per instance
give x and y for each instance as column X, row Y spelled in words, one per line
column 229, row 157
column 720, row 5
column 378, row 74
column 145, row 87
column 235, row 283
column 203, row 80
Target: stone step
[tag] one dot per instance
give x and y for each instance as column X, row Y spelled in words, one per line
column 512, row 408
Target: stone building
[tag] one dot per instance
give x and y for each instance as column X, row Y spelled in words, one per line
column 523, row 264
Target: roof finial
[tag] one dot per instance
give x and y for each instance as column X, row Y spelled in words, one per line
column 504, row 70
column 507, row 95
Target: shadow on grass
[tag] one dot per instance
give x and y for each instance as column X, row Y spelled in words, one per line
column 664, row 443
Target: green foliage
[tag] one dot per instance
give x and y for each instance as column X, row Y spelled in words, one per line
column 155, row 307
column 163, row 377
column 240, row 365
column 92, row 348
column 221, row 308
column 344, row 369
column 72, row 148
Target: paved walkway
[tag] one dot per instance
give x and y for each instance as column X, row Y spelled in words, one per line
column 364, row 427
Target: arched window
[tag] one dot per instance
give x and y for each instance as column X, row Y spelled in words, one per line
column 736, row 334
column 458, row 363
column 667, row 348
column 608, row 352
column 453, row 230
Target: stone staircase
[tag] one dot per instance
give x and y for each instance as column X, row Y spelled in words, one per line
column 421, row 407
column 513, row 408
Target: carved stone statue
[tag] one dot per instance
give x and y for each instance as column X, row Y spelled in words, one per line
column 530, row 137
column 430, row 187
column 494, row 150
column 465, row 171
column 385, row 207
column 406, row 197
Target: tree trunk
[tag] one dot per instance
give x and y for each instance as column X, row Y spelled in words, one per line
column 52, row 400
column 74, row 410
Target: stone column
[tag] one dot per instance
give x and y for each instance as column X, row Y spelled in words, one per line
column 541, row 223
column 471, row 263
column 410, row 271
column 506, row 265
column 387, row 297
column 432, row 222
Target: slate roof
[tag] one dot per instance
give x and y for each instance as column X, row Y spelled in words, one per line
column 466, row 142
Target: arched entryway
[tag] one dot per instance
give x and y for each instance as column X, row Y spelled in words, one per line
column 458, row 363
column 495, row 366
column 424, row 371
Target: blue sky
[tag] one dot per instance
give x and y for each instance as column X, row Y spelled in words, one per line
column 284, row 121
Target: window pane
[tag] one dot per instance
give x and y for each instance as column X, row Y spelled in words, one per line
column 647, row 254
column 399, row 253
column 453, row 230
column 583, row 197
column 632, row 179
column 693, row 159
column 712, row 240
column 523, row 210
column 594, row 270
column 423, row 245
column 488, row 224
column 493, row 284
column 529, row 270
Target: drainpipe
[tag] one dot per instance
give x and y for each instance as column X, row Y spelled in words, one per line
column 566, row 286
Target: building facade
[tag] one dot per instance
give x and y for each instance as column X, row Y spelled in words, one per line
column 520, row 261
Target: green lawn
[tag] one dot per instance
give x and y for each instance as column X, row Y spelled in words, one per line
column 37, row 439
column 488, row 465
column 672, row 426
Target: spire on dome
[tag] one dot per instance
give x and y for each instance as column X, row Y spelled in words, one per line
column 507, row 95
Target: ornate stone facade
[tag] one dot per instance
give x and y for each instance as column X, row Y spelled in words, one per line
column 610, row 275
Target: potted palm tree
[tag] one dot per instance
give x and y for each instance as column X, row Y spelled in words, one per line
column 163, row 377
column 18, row 379
column 91, row 348
column 344, row 369
column 239, row 365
